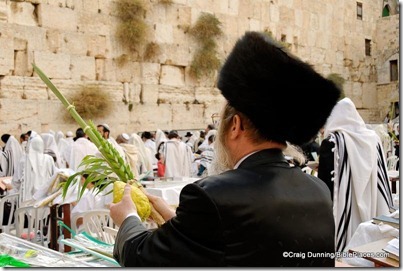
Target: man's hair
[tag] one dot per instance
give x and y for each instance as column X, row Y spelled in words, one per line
column 146, row 135
column 5, row 138
column 104, row 128
column 173, row 134
column 211, row 127
column 79, row 133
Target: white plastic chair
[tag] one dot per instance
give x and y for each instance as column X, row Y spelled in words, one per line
column 37, row 227
column 12, row 202
column 392, row 162
column 95, row 222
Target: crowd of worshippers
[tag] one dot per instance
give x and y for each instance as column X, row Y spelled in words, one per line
column 35, row 158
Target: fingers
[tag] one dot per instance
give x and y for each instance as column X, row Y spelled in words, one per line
column 127, row 191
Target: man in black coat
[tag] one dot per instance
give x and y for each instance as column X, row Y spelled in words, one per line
column 259, row 211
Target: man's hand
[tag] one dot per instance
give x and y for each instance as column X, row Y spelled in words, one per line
column 162, row 207
column 120, row 210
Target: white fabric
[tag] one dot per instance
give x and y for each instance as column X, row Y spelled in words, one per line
column 361, row 146
column 117, row 147
column 151, row 146
column 11, row 157
column 50, row 144
column 205, row 143
column 131, row 155
column 159, row 138
column 39, row 167
column 144, row 162
column 64, row 147
column 79, row 149
column 92, row 201
column 178, row 158
column 58, row 136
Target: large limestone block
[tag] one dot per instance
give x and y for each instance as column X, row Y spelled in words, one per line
column 3, row 11
column 82, row 68
column 97, row 46
column 35, row 89
column 129, row 72
column 176, row 54
column 179, row 15
column 233, row 7
column 64, row 19
column 172, row 75
column 6, row 53
column 107, row 70
column 175, row 95
column 208, row 95
column 22, row 63
column 150, row 73
column 163, row 33
column 21, row 112
column 149, row 94
column 54, row 65
column 149, row 117
column 75, row 43
column 35, row 36
column 188, row 117
column 54, row 40
column 95, row 23
column 12, row 87
column 22, row 13
column 369, row 100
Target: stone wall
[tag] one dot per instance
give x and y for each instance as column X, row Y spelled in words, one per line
column 74, row 43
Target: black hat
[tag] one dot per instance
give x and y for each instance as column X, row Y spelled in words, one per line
column 276, row 90
column 188, row 134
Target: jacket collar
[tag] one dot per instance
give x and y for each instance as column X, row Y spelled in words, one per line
column 266, row 156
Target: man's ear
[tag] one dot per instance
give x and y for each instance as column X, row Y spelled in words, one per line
column 236, row 127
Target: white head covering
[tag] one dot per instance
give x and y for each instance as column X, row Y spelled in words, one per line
column 360, row 175
column 143, row 157
column 59, row 135
column 13, row 151
column 39, row 167
column 50, row 144
column 159, row 137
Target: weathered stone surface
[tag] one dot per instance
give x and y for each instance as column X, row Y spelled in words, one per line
column 74, row 42
column 64, row 19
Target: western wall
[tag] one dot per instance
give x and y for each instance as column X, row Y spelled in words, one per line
column 74, row 42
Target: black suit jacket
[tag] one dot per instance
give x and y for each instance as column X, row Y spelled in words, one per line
column 265, row 213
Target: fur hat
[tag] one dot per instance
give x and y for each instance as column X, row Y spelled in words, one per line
column 284, row 97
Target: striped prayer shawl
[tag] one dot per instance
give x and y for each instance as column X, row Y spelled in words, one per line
column 7, row 164
column 344, row 209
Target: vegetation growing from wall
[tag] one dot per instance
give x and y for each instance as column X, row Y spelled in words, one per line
column 152, row 50
column 284, row 44
column 132, row 29
column 206, row 30
column 90, row 102
column 339, row 82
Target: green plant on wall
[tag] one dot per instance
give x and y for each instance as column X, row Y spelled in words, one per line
column 132, row 29
column 90, row 102
column 339, row 82
column 206, row 30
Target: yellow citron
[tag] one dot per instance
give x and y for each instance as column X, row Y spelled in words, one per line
column 139, row 198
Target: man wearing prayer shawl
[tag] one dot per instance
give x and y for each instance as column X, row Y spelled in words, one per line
column 352, row 163
column 131, row 152
column 38, row 169
column 10, row 157
column 176, row 156
column 80, row 148
column 260, row 211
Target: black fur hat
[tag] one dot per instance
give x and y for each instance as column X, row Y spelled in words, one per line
column 283, row 97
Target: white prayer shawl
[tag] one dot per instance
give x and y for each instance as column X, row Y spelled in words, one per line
column 58, row 136
column 361, row 186
column 131, row 154
column 79, row 149
column 117, row 147
column 39, row 167
column 144, row 162
column 151, row 146
column 205, row 143
column 10, row 158
column 159, row 138
column 177, row 157
column 50, row 144
column 93, row 201
column 64, row 147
